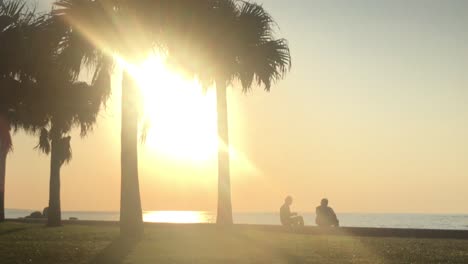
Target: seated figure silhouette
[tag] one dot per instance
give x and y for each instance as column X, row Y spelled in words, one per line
column 325, row 216
column 287, row 218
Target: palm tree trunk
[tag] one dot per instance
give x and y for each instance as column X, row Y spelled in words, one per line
column 131, row 219
column 224, row 214
column 5, row 145
column 3, row 156
column 54, row 212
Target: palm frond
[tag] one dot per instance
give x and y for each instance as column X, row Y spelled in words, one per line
column 5, row 136
column 12, row 8
column 272, row 60
column 64, row 150
column 44, row 142
column 89, row 29
column 260, row 56
column 255, row 23
column 101, row 81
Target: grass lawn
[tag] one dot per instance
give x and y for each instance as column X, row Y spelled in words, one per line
column 34, row 243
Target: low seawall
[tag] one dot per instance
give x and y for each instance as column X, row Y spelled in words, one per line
column 308, row 230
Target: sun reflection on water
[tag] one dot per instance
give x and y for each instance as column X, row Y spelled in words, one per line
column 179, row 217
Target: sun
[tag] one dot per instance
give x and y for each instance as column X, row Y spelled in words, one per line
column 182, row 117
column 181, row 114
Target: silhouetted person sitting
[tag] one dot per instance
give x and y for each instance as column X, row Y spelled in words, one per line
column 287, row 218
column 325, row 216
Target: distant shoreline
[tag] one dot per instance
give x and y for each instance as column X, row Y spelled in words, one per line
column 307, row 230
column 245, row 212
column 398, row 221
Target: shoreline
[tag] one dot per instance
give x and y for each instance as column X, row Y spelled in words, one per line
column 307, row 230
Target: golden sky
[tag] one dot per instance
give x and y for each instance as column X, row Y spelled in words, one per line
column 374, row 116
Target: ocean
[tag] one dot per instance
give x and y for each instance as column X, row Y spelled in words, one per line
column 420, row 221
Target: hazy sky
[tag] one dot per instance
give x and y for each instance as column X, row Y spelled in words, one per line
column 374, row 116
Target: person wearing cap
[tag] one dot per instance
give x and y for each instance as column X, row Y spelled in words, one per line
column 325, row 216
column 287, row 218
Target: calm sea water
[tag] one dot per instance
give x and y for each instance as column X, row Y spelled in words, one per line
column 424, row 221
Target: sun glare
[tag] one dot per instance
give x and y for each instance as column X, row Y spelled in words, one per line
column 182, row 116
column 181, row 217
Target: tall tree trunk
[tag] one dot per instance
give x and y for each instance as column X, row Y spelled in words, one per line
column 3, row 156
column 131, row 219
column 54, row 212
column 5, row 146
column 224, row 214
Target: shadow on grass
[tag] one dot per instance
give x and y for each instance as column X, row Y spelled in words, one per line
column 277, row 253
column 10, row 231
column 116, row 251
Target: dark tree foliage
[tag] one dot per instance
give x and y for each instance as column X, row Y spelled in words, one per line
column 39, row 88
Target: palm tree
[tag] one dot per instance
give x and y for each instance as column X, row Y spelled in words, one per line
column 222, row 41
column 76, row 105
column 51, row 100
column 16, row 21
column 56, row 105
column 246, row 50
